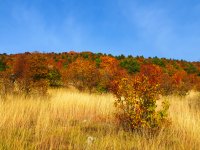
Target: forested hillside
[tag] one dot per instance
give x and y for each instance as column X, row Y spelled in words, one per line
column 94, row 72
column 91, row 100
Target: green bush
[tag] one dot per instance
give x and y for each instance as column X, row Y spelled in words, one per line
column 54, row 77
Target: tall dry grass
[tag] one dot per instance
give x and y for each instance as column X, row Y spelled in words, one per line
column 71, row 120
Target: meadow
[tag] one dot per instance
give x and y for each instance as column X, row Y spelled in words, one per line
column 69, row 119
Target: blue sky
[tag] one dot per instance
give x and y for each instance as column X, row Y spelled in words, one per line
column 163, row 28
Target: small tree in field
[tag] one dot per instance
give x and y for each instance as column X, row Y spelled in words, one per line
column 109, row 70
column 136, row 103
column 181, row 83
column 83, row 74
column 22, row 74
column 30, row 72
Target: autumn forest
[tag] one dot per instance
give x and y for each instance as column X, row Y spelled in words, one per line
column 93, row 72
column 81, row 100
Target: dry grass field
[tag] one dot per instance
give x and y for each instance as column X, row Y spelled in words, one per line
column 68, row 119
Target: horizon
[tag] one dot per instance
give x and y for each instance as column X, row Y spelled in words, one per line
column 49, row 52
column 150, row 29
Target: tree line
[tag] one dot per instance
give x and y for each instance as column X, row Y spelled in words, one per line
column 93, row 72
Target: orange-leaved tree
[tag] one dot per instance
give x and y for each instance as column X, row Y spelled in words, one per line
column 110, row 70
column 30, row 71
column 136, row 98
column 181, row 85
column 153, row 72
column 82, row 74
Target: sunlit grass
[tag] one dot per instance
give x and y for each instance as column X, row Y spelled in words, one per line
column 67, row 119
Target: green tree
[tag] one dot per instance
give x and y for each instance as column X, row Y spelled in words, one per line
column 190, row 68
column 120, row 57
column 158, row 62
column 2, row 64
column 131, row 65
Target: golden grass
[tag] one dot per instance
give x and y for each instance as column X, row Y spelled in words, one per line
column 68, row 119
